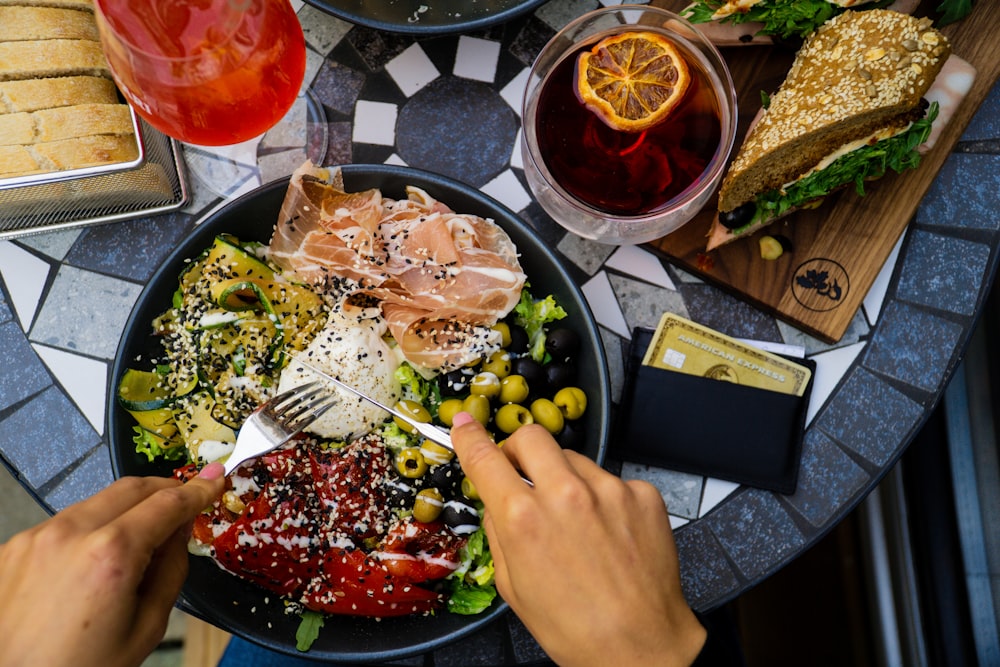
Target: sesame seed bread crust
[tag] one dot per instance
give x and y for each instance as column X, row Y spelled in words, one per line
column 859, row 72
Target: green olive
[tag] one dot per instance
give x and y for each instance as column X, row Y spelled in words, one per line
column 410, row 463
column 572, row 401
column 498, row 363
column 478, row 406
column 411, row 409
column 469, row 489
column 485, row 384
column 448, row 409
column 504, row 330
column 548, row 414
column 511, row 417
column 427, row 505
column 435, row 454
column 513, row 389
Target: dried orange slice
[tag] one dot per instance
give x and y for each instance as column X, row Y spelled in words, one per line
column 632, row 80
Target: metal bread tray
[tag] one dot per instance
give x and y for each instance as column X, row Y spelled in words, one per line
column 83, row 172
column 155, row 185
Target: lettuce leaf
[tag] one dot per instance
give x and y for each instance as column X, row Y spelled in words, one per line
column 898, row 153
column 533, row 314
column 147, row 444
column 953, row 10
column 308, row 630
column 782, row 18
column 472, row 588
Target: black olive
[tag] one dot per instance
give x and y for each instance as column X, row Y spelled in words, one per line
column 456, row 382
column 739, row 216
column 518, row 339
column 786, row 243
column 447, row 478
column 559, row 374
column 461, row 518
column 562, row 344
column 401, row 493
column 532, row 372
column 572, row 435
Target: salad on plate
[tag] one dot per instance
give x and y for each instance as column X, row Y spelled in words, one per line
column 421, row 307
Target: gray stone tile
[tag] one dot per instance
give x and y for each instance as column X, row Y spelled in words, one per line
column 83, row 296
column 6, row 315
column 557, row 13
column 338, row 86
column 874, row 432
column 828, row 478
column 530, row 40
column 91, row 475
column 377, row 47
column 706, row 573
column 133, row 249
column 485, row 647
column 586, row 254
column 986, row 123
column 526, row 649
column 53, row 244
column 756, row 532
column 322, row 30
column 459, row 128
column 938, row 270
column 338, row 144
column 23, row 374
column 965, row 193
column 912, row 346
column 681, row 491
column 643, row 304
column 44, row 435
column 717, row 310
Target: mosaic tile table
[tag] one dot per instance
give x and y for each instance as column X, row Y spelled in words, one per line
column 451, row 105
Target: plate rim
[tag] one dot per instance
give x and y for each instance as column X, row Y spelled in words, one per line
column 427, row 29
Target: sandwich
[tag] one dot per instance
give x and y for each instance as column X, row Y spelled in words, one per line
column 851, row 108
column 746, row 21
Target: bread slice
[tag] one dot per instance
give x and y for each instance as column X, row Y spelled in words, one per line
column 853, row 76
column 19, row 23
column 18, row 161
column 86, row 151
column 87, row 5
column 79, row 120
column 35, row 94
column 51, row 57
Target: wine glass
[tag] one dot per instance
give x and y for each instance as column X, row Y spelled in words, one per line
column 619, row 186
column 206, row 72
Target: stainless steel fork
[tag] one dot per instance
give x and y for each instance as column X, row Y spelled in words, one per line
column 274, row 423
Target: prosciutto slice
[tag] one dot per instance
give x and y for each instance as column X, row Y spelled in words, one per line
column 440, row 278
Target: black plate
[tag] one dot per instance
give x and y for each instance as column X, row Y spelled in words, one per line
column 239, row 607
column 441, row 16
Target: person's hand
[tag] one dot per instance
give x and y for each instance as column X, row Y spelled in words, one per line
column 94, row 584
column 586, row 561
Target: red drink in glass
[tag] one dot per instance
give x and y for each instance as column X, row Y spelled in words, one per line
column 625, row 173
column 209, row 72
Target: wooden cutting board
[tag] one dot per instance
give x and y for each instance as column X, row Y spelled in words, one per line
column 849, row 237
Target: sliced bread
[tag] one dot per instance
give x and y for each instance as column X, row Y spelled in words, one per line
column 19, row 23
column 79, row 120
column 50, row 58
column 35, row 94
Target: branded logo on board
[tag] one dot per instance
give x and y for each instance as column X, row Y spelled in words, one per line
column 820, row 284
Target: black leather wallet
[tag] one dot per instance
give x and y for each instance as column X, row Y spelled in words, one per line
column 709, row 427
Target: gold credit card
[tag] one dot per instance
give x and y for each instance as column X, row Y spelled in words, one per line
column 684, row 346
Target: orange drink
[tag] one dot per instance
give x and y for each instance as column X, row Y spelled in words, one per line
column 209, row 72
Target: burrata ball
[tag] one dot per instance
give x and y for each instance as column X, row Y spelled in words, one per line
column 353, row 351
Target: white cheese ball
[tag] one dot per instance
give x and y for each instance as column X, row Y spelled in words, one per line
column 353, row 351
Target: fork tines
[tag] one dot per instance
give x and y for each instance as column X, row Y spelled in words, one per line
column 301, row 405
